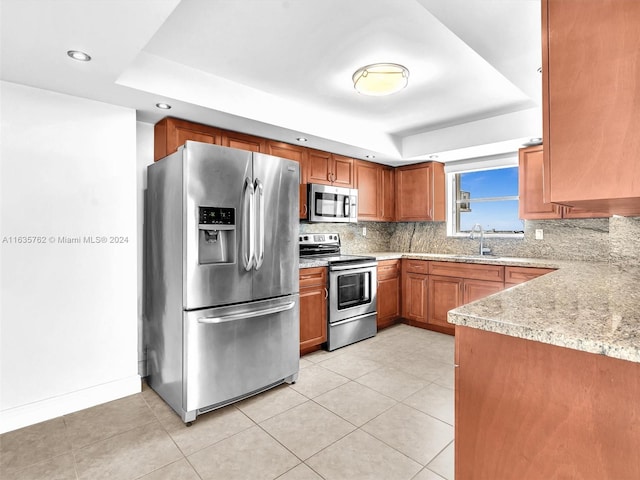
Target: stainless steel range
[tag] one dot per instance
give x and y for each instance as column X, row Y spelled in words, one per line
column 352, row 289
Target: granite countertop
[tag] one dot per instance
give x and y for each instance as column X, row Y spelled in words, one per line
column 591, row 307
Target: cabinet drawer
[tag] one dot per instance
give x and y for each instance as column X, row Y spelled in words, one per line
column 313, row 276
column 468, row 270
column 415, row 266
column 388, row 269
column 516, row 275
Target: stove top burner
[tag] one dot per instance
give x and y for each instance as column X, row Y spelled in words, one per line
column 326, row 246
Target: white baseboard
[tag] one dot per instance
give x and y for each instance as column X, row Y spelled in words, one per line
column 32, row 413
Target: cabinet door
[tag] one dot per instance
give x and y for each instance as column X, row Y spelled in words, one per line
column 388, row 295
column 420, row 192
column 414, row 298
column 244, row 142
column 531, row 186
column 445, row 293
column 516, row 275
column 313, row 317
column 590, row 89
column 313, row 308
column 367, row 181
column 171, row 133
column 477, row 289
column 342, row 171
column 319, row 167
column 387, row 194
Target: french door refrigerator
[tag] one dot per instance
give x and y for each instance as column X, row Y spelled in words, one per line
column 221, row 276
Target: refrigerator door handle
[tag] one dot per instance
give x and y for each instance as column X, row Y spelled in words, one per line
column 259, row 198
column 248, row 232
column 251, row 314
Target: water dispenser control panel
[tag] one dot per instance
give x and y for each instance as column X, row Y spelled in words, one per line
column 216, row 235
column 217, row 216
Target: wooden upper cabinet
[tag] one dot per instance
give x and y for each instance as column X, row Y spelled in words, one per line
column 243, row 141
column 318, row 167
column 420, row 192
column 531, row 174
column 387, row 194
column 329, row 169
column 342, row 171
column 368, row 178
column 376, row 191
column 171, row 133
column 531, row 186
column 591, row 118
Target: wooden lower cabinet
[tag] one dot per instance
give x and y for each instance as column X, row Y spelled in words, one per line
column 415, row 292
column 476, row 289
column 431, row 288
column 517, row 275
column 313, row 308
column 527, row 410
column 388, row 293
column 445, row 293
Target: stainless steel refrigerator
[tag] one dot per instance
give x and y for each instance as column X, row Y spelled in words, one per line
column 221, row 276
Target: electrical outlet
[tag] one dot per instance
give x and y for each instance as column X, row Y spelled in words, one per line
column 364, row 231
column 539, row 234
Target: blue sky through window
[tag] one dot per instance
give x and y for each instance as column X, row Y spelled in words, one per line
column 495, row 215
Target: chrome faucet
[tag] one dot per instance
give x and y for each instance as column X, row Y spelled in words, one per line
column 477, row 228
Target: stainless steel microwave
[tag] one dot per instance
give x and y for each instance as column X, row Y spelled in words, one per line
column 332, row 204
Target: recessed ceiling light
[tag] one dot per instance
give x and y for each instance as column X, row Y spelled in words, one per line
column 380, row 79
column 163, row 106
column 433, row 157
column 370, row 156
column 78, row 55
column 301, row 139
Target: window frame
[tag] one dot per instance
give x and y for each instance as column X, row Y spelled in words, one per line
column 452, row 170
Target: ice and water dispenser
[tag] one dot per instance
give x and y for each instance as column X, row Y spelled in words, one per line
column 217, row 235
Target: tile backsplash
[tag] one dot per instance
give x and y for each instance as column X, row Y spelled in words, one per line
column 615, row 239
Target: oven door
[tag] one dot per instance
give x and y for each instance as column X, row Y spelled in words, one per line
column 352, row 291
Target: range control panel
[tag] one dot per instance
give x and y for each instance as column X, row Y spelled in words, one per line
column 319, row 239
column 217, row 216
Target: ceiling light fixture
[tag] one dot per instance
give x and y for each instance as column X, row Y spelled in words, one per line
column 371, row 157
column 78, row 55
column 380, row 79
column 163, row 106
column 301, row 139
column 433, row 156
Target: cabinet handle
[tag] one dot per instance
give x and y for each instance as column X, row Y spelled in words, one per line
column 326, row 293
column 306, row 210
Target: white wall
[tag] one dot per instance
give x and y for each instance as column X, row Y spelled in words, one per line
column 68, row 331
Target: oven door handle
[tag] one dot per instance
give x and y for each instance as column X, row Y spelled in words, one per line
column 357, row 267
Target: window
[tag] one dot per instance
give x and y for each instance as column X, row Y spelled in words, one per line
column 485, row 196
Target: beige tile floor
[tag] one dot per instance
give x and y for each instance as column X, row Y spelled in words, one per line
column 378, row 409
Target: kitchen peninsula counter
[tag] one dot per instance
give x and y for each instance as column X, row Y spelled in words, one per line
column 590, row 307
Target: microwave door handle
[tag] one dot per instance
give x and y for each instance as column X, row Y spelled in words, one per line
column 247, row 224
column 345, row 206
column 259, row 198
